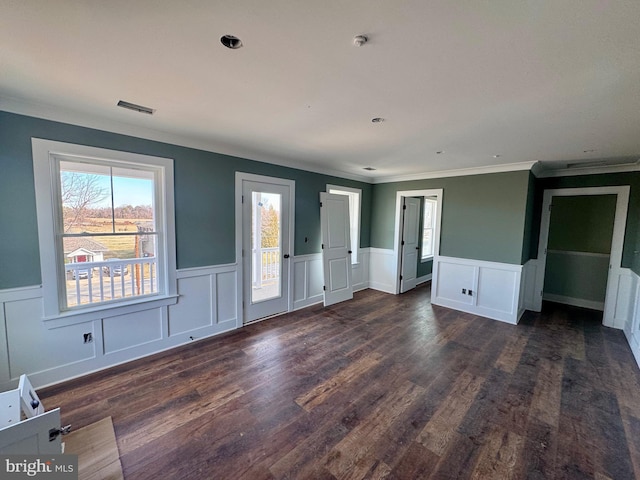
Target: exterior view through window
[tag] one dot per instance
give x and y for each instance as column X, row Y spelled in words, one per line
column 106, row 233
column 429, row 225
column 266, row 246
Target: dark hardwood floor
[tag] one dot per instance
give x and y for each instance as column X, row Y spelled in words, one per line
column 383, row 386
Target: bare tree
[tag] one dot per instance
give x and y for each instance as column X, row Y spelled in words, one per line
column 79, row 192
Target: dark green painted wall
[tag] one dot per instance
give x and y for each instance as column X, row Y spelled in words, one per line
column 204, row 192
column 630, row 259
column 576, row 276
column 582, row 224
column 483, row 216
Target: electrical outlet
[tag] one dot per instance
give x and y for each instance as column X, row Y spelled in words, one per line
column 464, row 291
column 88, row 337
column 471, row 292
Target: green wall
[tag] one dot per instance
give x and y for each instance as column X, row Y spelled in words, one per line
column 579, row 224
column 204, row 197
column 483, row 216
column 576, row 276
column 630, row 259
column 582, row 224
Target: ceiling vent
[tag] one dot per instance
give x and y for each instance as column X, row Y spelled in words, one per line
column 604, row 163
column 136, row 108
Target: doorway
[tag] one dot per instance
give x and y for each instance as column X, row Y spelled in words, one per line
column 401, row 197
column 265, row 242
column 614, row 266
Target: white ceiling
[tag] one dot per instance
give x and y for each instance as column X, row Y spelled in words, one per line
column 527, row 80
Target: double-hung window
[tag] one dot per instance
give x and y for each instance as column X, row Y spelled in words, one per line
column 354, row 195
column 428, row 227
column 105, row 221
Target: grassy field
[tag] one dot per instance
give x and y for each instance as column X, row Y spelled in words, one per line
column 119, row 246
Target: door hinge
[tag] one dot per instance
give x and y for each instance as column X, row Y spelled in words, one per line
column 320, row 204
column 324, row 287
column 404, row 207
column 323, row 246
column 242, row 198
column 400, row 277
column 402, row 243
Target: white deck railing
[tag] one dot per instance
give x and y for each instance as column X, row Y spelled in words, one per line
column 266, row 265
column 88, row 282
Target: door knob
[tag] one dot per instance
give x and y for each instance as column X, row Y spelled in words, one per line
column 286, row 255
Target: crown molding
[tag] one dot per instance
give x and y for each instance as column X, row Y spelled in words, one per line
column 461, row 172
column 72, row 117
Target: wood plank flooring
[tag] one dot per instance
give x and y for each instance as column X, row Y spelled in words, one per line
column 383, row 386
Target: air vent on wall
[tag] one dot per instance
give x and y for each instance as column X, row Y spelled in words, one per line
column 136, row 108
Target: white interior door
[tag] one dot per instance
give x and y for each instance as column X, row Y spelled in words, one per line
column 336, row 244
column 410, row 244
column 265, row 248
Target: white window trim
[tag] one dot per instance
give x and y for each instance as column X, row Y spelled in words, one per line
column 356, row 254
column 428, row 258
column 44, row 153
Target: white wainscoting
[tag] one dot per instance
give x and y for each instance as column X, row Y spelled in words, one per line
column 382, row 267
column 207, row 305
column 495, row 288
column 308, row 280
column 632, row 324
column 624, row 298
column 528, row 284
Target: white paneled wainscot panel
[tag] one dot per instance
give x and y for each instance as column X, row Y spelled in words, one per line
column 308, row 279
column 382, row 267
column 632, row 324
column 488, row 289
column 50, row 352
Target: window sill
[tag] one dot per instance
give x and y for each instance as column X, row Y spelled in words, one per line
column 426, row 259
column 89, row 314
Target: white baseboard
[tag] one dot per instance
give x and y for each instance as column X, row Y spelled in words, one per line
column 424, row 279
column 575, row 302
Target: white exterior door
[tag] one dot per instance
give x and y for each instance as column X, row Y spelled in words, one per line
column 410, row 244
column 265, row 248
column 336, row 244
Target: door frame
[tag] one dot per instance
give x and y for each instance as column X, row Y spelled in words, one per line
column 240, row 178
column 431, row 192
column 617, row 240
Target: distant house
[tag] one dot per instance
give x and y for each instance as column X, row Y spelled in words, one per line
column 79, row 249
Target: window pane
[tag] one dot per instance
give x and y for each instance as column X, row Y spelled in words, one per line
column 85, row 190
column 428, row 227
column 104, row 268
column 427, row 243
column 133, row 195
column 266, row 246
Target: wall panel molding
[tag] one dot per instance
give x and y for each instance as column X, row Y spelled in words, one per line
column 488, row 289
